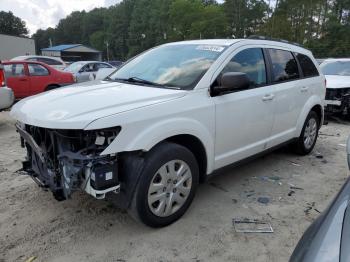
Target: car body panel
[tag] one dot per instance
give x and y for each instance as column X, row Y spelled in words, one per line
column 55, row 62
column 335, row 82
column 25, row 84
column 59, row 108
column 6, row 97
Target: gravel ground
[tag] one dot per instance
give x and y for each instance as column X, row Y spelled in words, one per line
column 32, row 223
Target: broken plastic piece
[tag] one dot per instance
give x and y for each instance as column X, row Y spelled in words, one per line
column 251, row 226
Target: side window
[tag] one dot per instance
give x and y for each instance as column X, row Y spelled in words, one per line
column 307, row 66
column 284, row 66
column 101, row 65
column 14, row 70
column 49, row 61
column 88, row 68
column 250, row 61
column 37, row 70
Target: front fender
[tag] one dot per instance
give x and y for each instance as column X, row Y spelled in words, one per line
column 312, row 101
column 146, row 138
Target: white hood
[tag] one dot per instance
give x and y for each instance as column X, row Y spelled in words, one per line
column 334, row 81
column 76, row 106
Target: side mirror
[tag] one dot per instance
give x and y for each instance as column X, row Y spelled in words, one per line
column 230, row 82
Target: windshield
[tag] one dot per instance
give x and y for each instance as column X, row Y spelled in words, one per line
column 75, row 67
column 341, row 68
column 175, row 66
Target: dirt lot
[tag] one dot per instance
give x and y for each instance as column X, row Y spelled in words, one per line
column 32, row 223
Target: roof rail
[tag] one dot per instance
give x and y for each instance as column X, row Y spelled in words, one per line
column 260, row 37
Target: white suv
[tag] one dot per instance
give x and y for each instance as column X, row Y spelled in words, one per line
column 150, row 132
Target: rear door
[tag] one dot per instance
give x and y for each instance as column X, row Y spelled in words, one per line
column 17, row 78
column 244, row 118
column 39, row 78
column 285, row 78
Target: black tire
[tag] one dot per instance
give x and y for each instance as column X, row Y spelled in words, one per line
column 299, row 146
column 51, row 87
column 154, row 160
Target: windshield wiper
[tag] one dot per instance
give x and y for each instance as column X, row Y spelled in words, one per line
column 136, row 79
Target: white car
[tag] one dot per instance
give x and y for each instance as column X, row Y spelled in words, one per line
column 55, row 62
column 6, row 94
column 87, row 70
column 168, row 118
column 337, row 73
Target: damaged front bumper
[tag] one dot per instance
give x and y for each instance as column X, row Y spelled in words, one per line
column 66, row 161
column 338, row 100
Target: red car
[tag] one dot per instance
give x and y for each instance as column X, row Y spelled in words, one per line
column 28, row 78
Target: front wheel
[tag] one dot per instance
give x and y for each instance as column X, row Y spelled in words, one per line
column 307, row 139
column 167, row 185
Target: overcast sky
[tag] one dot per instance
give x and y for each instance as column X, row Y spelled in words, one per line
column 46, row 13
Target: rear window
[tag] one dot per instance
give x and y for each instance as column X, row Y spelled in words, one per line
column 14, row 70
column 284, row 66
column 49, row 61
column 307, row 66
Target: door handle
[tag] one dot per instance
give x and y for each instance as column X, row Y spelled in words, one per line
column 304, row 89
column 23, row 79
column 268, row 97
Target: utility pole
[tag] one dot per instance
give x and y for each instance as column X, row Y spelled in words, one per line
column 107, row 45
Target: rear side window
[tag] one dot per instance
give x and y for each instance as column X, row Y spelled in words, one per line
column 251, row 62
column 14, row 70
column 37, row 70
column 284, row 66
column 49, row 61
column 307, row 66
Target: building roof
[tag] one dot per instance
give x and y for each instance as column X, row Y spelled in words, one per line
column 60, row 47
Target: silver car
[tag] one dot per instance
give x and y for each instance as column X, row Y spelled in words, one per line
column 86, row 70
column 6, row 94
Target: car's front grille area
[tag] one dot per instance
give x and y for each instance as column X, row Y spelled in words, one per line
column 335, row 94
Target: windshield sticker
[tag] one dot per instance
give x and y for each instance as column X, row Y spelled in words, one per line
column 212, row 48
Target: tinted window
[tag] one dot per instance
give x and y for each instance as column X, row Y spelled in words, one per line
column 14, row 70
column 37, row 70
column 49, row 61
column 307, row 66
column 101, row 65
column 284, row 66
column 249, row 61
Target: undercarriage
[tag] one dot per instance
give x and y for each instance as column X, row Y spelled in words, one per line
column 65, row 161
column 338, row 101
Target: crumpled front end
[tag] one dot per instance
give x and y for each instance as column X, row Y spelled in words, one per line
column 66, row 161
column 338, row 100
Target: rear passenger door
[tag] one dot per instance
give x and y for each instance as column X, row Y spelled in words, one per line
column 288, row 103
column 39, row 78
column 244, row 118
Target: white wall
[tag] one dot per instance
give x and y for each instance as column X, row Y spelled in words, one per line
column 12, row 46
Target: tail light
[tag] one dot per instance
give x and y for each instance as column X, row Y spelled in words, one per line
column 2, row 76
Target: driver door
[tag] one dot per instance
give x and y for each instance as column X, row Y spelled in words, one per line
column 244, row 118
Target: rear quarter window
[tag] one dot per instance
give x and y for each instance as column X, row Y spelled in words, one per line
column 14, row 70
column 307, row 66
column 284, row 66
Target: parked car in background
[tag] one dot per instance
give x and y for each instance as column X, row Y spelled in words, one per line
column 52, row 61
column 86, row 70
column 6, row 94
column 168, row 118
column 28, row 78
column 328, row 237
column 337, row 73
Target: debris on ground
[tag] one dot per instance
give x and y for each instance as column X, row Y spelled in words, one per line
column 263, row 200
column 309, row 207
column 31, row 259
column 291, row 193
column 296, row 188
column 319, row 156
column 251, row 226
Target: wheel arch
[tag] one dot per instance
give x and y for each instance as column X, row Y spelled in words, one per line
column 313, row 104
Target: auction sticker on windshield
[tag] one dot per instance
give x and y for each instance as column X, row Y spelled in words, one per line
column 213, row 48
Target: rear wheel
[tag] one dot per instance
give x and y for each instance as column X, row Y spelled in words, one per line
column 167, row 185
column 308, row 137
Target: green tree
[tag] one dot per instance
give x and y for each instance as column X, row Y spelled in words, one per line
column 12, row 25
